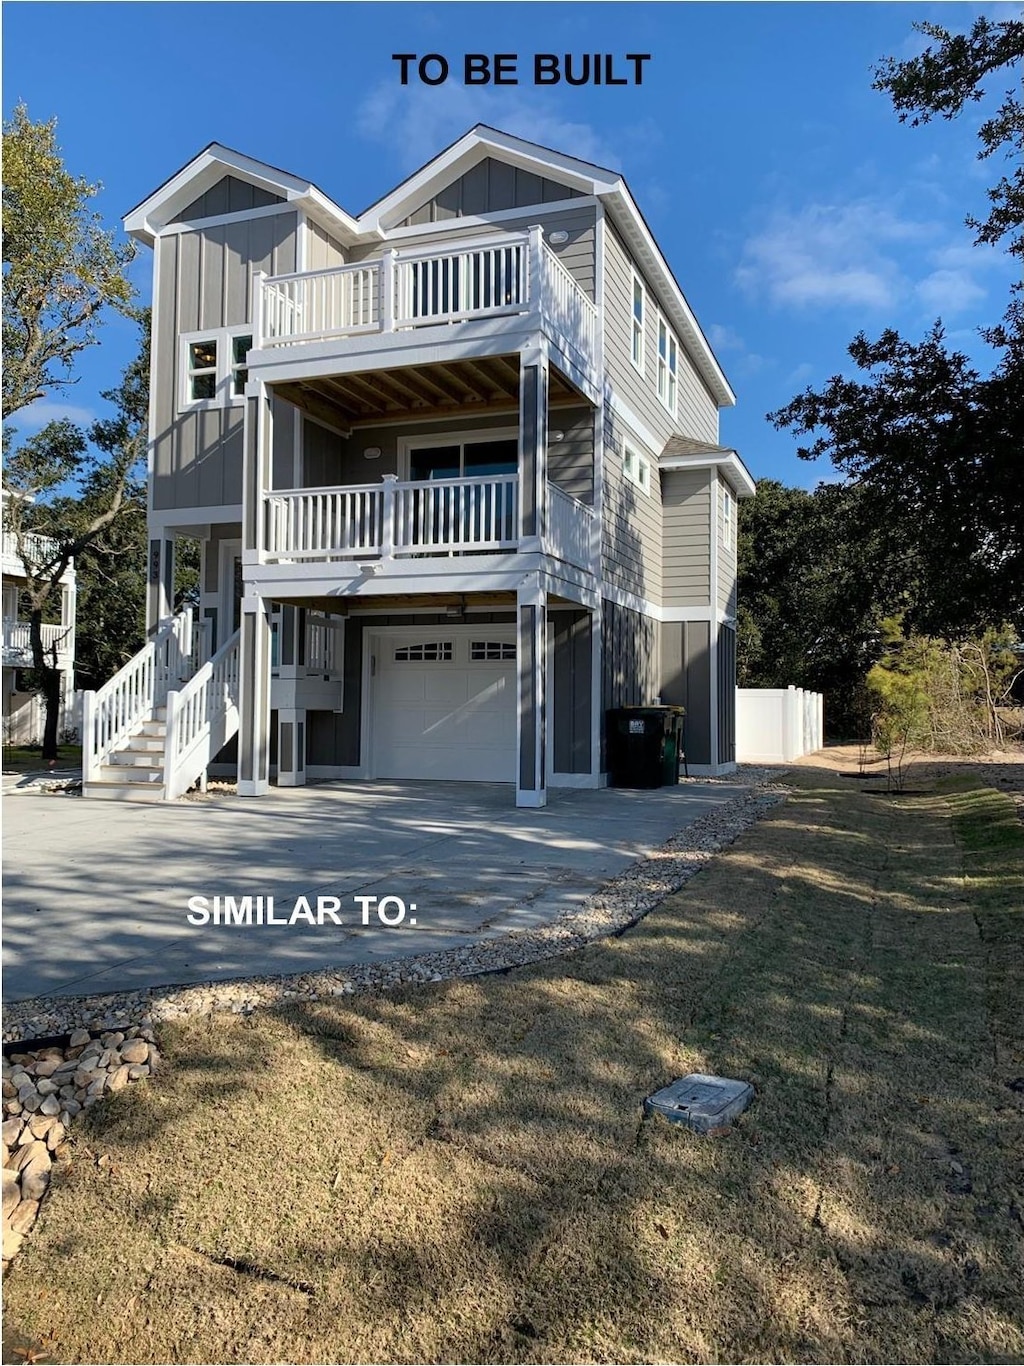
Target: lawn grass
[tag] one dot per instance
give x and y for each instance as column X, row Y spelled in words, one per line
column 29, row 758
column 459, row 1173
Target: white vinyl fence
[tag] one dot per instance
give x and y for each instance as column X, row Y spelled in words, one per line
column 777, row 725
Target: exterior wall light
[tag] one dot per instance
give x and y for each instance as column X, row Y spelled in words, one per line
column 372, row 453
column 559, row 237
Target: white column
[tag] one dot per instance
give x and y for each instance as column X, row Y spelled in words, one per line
column 254, row 698
column 531, row 673
column 256, row 468
column 533, row 445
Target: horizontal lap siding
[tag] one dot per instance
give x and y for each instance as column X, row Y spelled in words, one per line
column 631, row 540
column 205, row 282
column 696, row 410
column 686, row 532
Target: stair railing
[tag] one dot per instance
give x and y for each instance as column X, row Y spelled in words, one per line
column 201, row 718
column 111, row 714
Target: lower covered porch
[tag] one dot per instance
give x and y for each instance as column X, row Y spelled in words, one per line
column 499, row 687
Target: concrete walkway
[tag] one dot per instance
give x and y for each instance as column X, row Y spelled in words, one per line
column 96, row 893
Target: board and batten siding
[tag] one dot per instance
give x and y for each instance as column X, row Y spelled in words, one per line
column 204, row 280
column 631, row 530
column 696, row 409
column 489, row 187
column 576, row 254
column 322, row 250
column 686, row 537
column 726, row 554
column 229, row 195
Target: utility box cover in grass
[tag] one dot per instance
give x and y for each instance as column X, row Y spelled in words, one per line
column 700, row 1102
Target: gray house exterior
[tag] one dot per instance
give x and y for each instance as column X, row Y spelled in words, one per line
column 454, row 467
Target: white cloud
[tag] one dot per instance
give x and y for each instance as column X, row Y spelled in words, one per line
column 422, row 119
column 37, row 415
column 830, row 254
column 799, row 374
column 724, row 338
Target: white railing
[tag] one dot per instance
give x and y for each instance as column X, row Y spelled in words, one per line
column 39, row 550
column 201, row 718
column 446, row 286
column 329, row 523
column 448, row 515
column 316, row 304
column 18, row 638
column 321, row 644
column 571, row 529
column 425, row 516
column 566, row 305
column 113, row 713
column 404, row 290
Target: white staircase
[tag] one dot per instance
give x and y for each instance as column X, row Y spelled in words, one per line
column 151, row 731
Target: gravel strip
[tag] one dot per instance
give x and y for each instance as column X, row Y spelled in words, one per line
column 618, row 904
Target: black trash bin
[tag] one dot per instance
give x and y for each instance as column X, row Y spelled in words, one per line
column 644, row 746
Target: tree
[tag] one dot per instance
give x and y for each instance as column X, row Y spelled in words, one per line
column 61, row 267
column 933, row 445
column 73, row 488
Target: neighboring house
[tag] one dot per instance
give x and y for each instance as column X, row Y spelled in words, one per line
column 454, row 468
column 23, row 712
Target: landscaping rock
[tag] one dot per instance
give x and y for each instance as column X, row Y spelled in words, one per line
column 134, row 1051
column 24, row 1216
column 12, row 1191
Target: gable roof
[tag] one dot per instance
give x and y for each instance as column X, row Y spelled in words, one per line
column 607, row 187
column 209, row 166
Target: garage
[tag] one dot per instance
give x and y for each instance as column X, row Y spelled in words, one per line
column 444, row 704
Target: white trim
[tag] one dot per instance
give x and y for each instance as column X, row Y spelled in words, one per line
column 713, row 540
column 728, row 518
column 728, row 462
column 621, row 597
column 223, row 339
column 641, row 478
column 221, row 219
column 487, row 220
column 163, row 519
column 677, row 614
column 642, row 432
column 154, row 372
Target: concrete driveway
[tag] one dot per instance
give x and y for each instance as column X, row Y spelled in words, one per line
column 96, row 893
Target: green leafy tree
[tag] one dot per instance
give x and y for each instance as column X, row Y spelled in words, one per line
column 74, row 488
column 61, row 267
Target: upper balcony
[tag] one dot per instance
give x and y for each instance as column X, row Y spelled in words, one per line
column 477, row 296
column 38, row 550
column 17, row 644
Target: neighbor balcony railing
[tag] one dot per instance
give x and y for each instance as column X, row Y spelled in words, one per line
column 416, row 288
column 18, row 640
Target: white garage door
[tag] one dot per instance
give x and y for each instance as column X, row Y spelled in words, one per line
column 445, row 705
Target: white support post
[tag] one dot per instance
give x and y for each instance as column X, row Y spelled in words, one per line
column 533, row 446
column 388, row 292
column 90, row 769
column 387, row 530
column 258, row 320
column 531, row 671
column 256, row 469
column 291, row 747
column 254, row 698
column 536, row 273
column 171, row 745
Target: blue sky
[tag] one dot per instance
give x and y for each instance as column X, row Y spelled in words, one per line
column 792, row 205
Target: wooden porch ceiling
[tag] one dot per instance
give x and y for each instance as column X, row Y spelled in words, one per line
column 458, row 389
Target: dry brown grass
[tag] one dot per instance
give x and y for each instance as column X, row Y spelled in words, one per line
column 460, row 1173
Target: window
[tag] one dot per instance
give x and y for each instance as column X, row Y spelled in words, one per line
column 214, row 367
column 202, row 370
column 481, row 651
column 638, row 324
column 636, row 468
column 727, row 519
column 435, row 651
column 668, row 365
column 240, row 348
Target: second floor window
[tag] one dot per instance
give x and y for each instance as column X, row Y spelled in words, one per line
column 637, row 343
column 728, row 518
column 668, row 366
column 636, row 468
column 214, row 367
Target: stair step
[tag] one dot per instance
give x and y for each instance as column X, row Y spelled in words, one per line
column 125, row 773
column 153, row 728
column 124, row 792
column 150, row 744
column 137, row 758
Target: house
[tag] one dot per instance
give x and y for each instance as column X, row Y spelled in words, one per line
column 23, row 715
column 454, row 467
